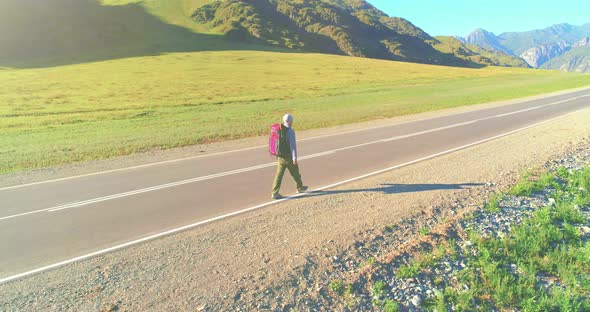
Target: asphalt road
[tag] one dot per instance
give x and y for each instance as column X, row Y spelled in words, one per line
column 52, row 223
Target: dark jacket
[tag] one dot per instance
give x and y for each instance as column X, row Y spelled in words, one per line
column 288, row 144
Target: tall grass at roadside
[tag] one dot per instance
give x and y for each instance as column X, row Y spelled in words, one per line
column 529, row 184
column 413, row 268
column 543, row 265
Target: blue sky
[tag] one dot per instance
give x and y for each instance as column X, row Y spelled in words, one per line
column 460, row 17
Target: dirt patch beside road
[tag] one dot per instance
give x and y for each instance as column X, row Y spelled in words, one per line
column 284, row 256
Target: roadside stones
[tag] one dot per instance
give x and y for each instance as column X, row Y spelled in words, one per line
column 416, row 301
column 410, row 293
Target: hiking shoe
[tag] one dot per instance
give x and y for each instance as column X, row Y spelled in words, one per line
column 302, row 189
column 277, row 196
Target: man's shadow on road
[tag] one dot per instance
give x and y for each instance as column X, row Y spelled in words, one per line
column 398, row 188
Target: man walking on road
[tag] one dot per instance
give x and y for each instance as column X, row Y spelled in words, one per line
column 287, row 158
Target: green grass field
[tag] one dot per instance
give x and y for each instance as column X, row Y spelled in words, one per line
column 108, row 80
column 57, row 115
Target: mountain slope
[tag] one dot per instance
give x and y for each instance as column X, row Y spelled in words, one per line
column 575, row 60
column 519, row 42
column 544, row 48
column 350, row 27
column 539, row 55
column 549, row 45
column 477, row 54
column 58, row 32
column 486, row 40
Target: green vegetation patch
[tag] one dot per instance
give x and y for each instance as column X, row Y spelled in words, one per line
column 115, row 77
column 529, row 184
column 58, row 115
column 337, row 287
column 414, row 268
column 544, row 265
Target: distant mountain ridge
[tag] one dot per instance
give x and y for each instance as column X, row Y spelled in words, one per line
column 544, row 48
column 576, row 59
column 349, row 27
column 539, row 55
column 486, row 40
column 519, row 42
column 59, row 32
column 474, row 53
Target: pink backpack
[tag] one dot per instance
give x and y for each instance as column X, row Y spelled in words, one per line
column 273, row 141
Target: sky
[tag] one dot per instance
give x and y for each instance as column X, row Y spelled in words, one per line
column 460, row 17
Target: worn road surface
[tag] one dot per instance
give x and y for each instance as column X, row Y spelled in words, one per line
column 47, row 224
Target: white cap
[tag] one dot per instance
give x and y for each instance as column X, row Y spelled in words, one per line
column 287, row 118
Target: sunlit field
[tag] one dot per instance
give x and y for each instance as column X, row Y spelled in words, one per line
column 57, row 115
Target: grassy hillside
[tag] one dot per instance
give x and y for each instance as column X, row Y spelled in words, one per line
column 56, row 115
column 176, row 12
column 58, row 32
column 476, row 54
column 349, row 27
column 83, row 80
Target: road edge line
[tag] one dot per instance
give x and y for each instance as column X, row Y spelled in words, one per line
column 186, row 227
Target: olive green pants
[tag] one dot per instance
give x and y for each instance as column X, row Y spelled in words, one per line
column 282, row 165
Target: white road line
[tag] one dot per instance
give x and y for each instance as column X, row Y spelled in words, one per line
column 238, row 171
column 405, row 136
column 23, row 214
column 538, row 107
column 244, row 149
column 192, row 157
column 186, row 227
column 213, row 176
column 253, row 168
column 315, row 155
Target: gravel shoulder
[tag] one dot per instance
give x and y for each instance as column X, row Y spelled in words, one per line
column 284, row 256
